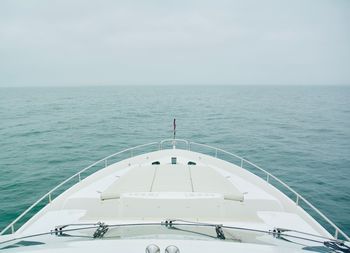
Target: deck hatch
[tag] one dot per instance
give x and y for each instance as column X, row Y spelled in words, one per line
column 173, row 160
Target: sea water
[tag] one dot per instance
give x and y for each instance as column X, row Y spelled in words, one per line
column 299, row 133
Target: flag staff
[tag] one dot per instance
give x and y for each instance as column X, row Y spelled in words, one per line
column 174, row 125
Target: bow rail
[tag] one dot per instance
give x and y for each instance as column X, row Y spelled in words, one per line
column 189, row 146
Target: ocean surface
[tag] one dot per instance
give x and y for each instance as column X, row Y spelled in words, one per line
column 299, row 133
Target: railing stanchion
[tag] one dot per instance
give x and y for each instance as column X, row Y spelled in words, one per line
column 50, row 197
column 12, row 229
column 336, row 234
column 241, row 162
column 268, row 178
column 79, row 177
column 297, row 200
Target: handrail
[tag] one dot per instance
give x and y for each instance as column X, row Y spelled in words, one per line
column 78, row 174
column 174, row 141
column 268, row 175
column 188, row 146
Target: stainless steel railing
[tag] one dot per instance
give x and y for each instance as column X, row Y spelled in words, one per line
column 298, row 197
column 188, row 146
column 77, row 175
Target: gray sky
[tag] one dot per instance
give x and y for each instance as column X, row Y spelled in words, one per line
column 67, row 42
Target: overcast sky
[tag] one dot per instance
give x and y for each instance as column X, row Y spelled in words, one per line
column 68, row 42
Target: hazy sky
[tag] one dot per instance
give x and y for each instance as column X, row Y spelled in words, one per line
column 68, row 42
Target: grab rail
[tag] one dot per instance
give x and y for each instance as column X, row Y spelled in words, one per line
column 173, row 142
column 189, row 145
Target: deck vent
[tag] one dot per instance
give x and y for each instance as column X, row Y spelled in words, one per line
column 173, row 160
column 152, row 249
column 172, row 249
column 156, row 163
column 191, row 163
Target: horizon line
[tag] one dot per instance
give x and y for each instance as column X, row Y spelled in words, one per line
column 159, row 85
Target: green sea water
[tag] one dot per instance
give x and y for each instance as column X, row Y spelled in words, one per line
column 299, row 133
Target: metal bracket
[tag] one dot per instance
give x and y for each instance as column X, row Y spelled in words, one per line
column 219, row 232
column 168, row 223
column 58, row 230
column 101, row 230
column 277, row 232
column 337, row 246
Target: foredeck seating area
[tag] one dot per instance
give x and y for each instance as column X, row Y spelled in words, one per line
column 172, row 178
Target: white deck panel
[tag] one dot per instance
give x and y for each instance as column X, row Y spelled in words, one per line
column 138, row 179
column 172, row 178
column 207, row 179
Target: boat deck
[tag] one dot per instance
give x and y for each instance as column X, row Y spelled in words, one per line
column 151, row 187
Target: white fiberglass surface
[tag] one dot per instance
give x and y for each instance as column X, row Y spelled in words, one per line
column 210, row 190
